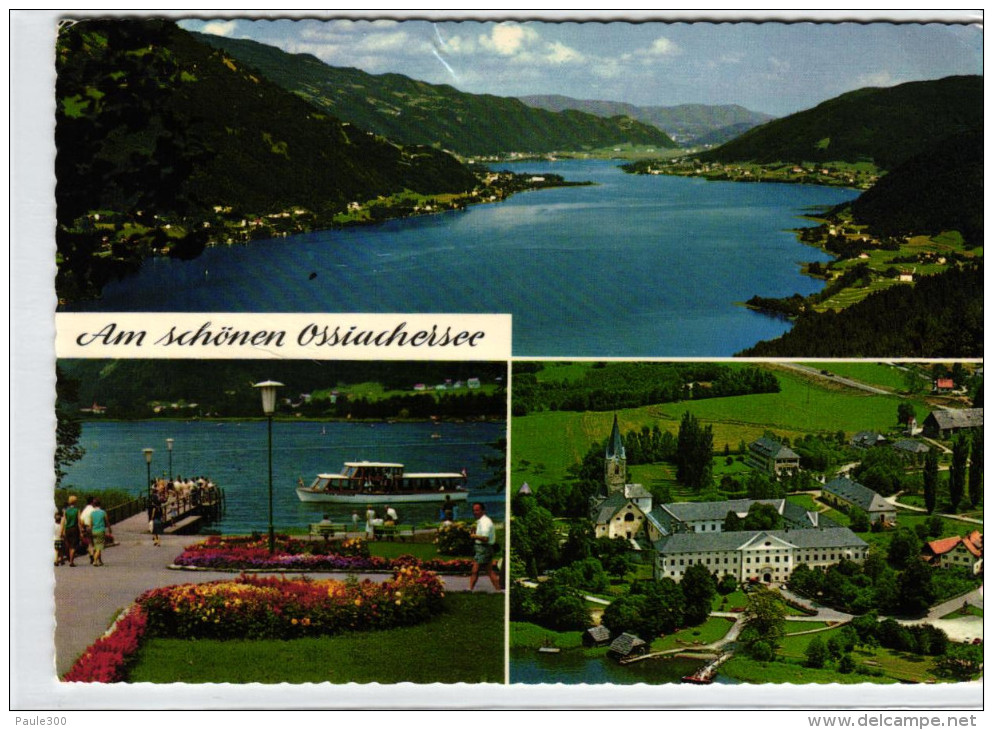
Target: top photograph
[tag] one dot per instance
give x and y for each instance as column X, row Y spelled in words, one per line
column 622, row 189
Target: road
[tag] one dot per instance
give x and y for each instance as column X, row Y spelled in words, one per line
column 808, row 370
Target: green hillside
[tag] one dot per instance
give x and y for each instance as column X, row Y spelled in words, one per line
column 414, row 112
column 162, row 140
column 884, row 126
column 938, row 190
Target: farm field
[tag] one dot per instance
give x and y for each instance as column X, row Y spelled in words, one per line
column 878, row 374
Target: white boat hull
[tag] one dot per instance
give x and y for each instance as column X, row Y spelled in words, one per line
column 361, row 498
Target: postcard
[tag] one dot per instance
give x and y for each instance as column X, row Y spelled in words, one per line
column 448, row 359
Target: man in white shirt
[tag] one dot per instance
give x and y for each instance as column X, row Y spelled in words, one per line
column 484, row 537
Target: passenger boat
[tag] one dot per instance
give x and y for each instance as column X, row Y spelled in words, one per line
column 376, row 482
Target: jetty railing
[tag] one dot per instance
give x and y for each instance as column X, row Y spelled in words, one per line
column 121, row 512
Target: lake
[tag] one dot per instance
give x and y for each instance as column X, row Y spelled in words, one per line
column 634, row 266
column 234, row 454
column 572, row 666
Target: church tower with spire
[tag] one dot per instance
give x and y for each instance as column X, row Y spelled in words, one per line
column 616, row 463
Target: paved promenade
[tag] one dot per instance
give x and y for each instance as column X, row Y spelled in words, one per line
column 87, row 599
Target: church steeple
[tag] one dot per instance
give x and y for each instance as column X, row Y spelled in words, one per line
column 615, row 465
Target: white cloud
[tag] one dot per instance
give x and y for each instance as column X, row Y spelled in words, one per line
column 663, row 47
column 879, row 78
column 557, row 53
column 508, row 39
column 219, row 27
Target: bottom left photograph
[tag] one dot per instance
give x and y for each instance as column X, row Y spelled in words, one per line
column 222, row 521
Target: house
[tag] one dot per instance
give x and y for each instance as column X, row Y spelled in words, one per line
column 617, row 516
column 944, row 385
column 627, row 646
column 596, row 636
column 473, row 383
column 766, row 555
column 846, row 494
column 966, row 552
column 525, row 489
column 946, row 422
column 910, row 449
column 772, row 457
column 867, row 439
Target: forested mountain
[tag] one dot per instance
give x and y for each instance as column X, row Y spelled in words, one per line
column 939, row 316
column 689, row 124
column 940, row 189
column 157, row 132
column 884, row 126
column 415, row 112
column 128, row 387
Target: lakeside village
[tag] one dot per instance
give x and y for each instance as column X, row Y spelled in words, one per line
column 127, row 237
column 865, row 580
column 838, row 174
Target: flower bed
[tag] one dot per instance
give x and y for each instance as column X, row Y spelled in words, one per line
column 350, row 556
column 253, row 607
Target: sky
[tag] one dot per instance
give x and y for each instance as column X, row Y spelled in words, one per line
column 777, row 68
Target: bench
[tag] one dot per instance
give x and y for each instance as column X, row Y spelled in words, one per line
column 391, row 532
column 326, row 530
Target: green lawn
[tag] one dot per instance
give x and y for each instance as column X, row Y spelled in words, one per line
column 781, row 672
column 799, row 627
column 708, row 632
column 524, row 635
column 969, row 610
column 880, row 374
column 737, row 599
column 805, row 501
column 464, row 644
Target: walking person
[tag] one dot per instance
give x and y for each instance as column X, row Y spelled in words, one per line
column 370, row 516
column 71, row 530
column 60, row 545
column 86, row 527
column 101, row 530
column 484, row 537
column 155, row 518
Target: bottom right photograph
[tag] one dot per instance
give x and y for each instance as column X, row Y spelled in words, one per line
column 746, row 523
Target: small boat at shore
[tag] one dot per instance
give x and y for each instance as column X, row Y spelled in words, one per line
column 376, row 482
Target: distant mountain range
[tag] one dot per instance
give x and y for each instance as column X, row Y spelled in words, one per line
column 885, row 126
column 688, row 124
column 415, row 112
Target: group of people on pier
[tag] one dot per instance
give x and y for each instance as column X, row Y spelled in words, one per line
column 180, row 495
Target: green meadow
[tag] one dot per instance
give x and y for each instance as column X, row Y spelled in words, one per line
column 546, row 444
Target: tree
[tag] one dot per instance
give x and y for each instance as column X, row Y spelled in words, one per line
column 535, row 539
column 699, row 591
column 976, row 468
column 931, row 481
column 68, row 428
column 956, row 474
column 858, row 520
column 904, row 548
column 663, row 608
column 586, row 574
column 905, row 412
column 816, row 653
column 915, row 592
column 580, row 543
column 694, row 453
column 614, row 555
column 764, row 624
column 625, row 615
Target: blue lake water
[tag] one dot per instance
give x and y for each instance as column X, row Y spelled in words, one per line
column 572, row 666
column 633, row 266
column 234, row 454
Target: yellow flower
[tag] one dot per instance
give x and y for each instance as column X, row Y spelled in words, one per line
column 358, row 601
column 294, row 622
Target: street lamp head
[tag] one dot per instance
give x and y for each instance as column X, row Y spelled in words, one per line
column 169, row 443
column 148, row 455
column 268, row 389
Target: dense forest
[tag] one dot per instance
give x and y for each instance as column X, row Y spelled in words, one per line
column 630, row 385
column 939, row 316
column 415, row 112
column 940, row 189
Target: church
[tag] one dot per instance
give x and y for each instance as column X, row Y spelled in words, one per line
column 681, row 534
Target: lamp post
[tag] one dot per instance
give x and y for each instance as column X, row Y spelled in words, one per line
column 169, row 443
column 148, row 469
column 268, row 390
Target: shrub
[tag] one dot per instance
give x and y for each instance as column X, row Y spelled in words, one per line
column 453, row 539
